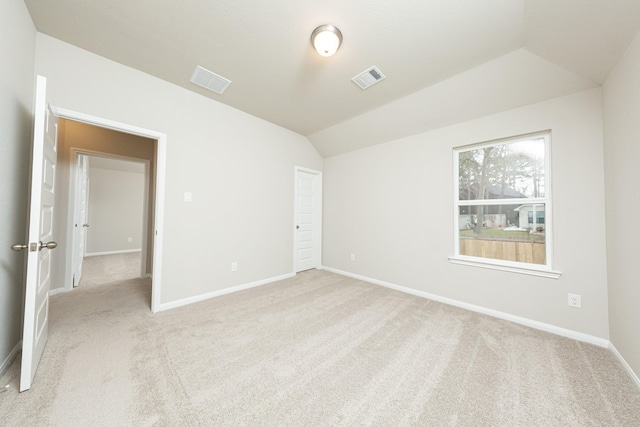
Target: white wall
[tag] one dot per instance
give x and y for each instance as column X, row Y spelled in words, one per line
column 391, row 205
column 17, row 49
column 238, row 168
column 622, row 175
column 116, row 200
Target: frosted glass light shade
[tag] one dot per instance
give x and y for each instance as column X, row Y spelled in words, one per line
column 326, row 39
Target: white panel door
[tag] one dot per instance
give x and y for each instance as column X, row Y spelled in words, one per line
column 40, row 244
column 80, row 218
column 307, row 220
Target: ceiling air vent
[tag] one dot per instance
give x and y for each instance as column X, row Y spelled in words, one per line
column 209, row 80
column 368, row 77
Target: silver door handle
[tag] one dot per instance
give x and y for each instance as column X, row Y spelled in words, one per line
column 18, row 247
column 85, row 225
column 49, row 245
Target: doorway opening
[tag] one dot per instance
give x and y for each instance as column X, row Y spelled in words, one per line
column 119, row 151
column 110, row 201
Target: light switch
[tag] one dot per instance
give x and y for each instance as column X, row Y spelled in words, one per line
column 187, row 197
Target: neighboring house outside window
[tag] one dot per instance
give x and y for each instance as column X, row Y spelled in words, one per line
column 503, row 204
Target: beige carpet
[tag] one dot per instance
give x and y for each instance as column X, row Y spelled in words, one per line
column 104, row 269
column 315, row 350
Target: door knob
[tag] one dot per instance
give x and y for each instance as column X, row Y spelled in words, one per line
column 49, row 245
column 85, row 225
column 18, row 247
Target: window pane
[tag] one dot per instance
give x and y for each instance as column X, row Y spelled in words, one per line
column 506, row 232
column 504, row 171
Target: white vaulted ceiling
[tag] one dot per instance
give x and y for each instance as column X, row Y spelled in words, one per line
column 424, row 47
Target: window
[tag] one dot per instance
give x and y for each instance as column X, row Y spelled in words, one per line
column 539, row 218
column 503, row 204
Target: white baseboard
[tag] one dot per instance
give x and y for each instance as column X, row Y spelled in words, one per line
column 7, row 361
column 125, row 251
column 579, row 336
column 198, row 298
column 57, row 291
column 624, row 364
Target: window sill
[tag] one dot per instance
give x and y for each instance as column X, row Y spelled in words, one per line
column 484, row 263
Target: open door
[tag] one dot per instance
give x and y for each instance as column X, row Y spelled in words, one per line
column 80, row 222
column 40, row 232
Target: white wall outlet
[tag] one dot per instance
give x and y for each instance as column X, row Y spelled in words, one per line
column 353, row 257
column 188, row 197
column 130, row 239
column 234, row 266
column 575, row 301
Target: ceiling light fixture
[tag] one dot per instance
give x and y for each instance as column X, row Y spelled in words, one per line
column 326, row 39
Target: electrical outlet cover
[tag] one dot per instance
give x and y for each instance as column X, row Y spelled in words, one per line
column 575, row 301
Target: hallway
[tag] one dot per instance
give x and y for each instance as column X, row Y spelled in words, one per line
column 107, row 269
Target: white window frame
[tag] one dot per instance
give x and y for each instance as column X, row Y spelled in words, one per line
column 541, row 270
